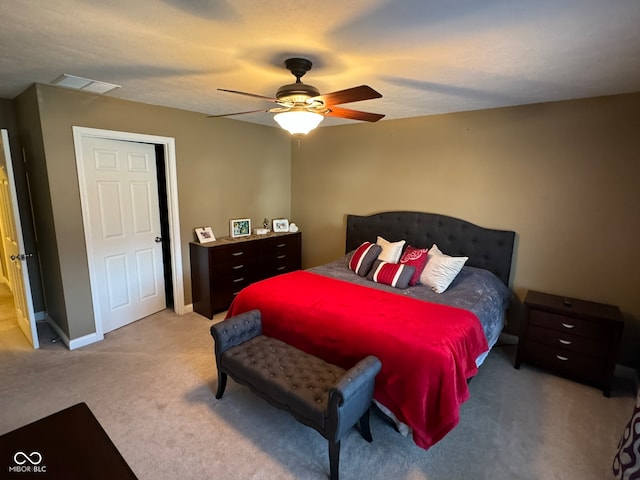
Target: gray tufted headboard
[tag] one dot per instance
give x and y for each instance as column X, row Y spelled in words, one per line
column 486, row 248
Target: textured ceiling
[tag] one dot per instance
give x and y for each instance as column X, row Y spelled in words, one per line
column 425, row 56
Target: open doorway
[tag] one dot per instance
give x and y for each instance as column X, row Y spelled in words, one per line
column 15, row 258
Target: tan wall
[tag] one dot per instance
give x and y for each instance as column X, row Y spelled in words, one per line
column 565, row 176
column 226, row 169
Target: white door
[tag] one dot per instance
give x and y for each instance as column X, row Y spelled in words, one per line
column 16, row 257
column 121, row 192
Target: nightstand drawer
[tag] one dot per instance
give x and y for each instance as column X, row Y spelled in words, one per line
column 565, row 361
column 567, row 341
column 570, row 336
column 572, row 325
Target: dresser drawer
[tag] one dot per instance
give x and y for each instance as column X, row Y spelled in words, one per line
column 289, row 244
column 572, row 325
column 281, row 255
column 273, row 268
column 567, row 341
column 233, row 253
column 225, row 292
column 574, row 364
column 220, row 269
column 241, row 266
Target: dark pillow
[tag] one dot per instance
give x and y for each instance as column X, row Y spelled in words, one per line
column 363, row 258
column 417, row 258
column 393, row 274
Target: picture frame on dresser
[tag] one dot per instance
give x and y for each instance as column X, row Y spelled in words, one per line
column 280, row 225
column 205, row 234
column 240, row 227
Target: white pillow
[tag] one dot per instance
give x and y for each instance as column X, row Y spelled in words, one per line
column 441, row 269
column 391, row 251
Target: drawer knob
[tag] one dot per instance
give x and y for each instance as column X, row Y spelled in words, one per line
column 560, row 357
column 564, row 342
column 567, row 325
column 237, row 254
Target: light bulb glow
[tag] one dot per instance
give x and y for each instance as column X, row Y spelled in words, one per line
column 298, row 122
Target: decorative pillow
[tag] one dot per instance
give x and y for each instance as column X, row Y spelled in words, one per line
column 416, row 258
column 393, row 274
column 363, row 258
column 391, row 251
column 441, row 269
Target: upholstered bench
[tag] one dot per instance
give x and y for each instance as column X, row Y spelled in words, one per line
column 325, row 397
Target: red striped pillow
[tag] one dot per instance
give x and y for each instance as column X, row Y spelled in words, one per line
column 363, row 258
column 393, row 274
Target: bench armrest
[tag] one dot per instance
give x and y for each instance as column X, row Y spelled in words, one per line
column 351, row 396
column 236, row 330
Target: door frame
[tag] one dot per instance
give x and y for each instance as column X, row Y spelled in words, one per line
column 168, row 144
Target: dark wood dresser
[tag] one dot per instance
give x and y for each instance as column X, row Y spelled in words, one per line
column 572, row 337
column 220, row 269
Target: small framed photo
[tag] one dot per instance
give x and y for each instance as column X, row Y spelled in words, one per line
column 280, row 225
column 205, row 234
column 240, row 227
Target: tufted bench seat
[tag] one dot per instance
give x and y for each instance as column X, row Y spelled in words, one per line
column 325, row 397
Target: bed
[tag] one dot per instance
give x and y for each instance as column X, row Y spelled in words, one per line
column 430, row 344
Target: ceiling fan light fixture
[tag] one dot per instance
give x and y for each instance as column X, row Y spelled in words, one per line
column 298, row 122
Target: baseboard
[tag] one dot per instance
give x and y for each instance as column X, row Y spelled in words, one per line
column 84, row 341
column 188, row 308
column 72, row 344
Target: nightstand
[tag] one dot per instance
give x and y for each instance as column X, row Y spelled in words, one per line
column 572, row 337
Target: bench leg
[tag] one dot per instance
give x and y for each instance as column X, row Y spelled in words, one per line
column 365, row 429
column 222, row 384
column 334, row 459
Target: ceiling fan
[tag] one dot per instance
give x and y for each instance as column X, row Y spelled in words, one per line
column 301, row 107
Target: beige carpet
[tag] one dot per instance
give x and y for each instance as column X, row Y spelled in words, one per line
column 151, row 385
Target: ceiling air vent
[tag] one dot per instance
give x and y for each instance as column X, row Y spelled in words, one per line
column 79, row 83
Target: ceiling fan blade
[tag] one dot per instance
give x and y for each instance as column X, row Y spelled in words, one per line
column 355, row 94
column 236, row 113
column 249, row 94
column 353, row 114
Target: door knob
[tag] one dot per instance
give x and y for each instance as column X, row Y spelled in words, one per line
column 158, row 239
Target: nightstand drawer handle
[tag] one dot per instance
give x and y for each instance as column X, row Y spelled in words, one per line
column 280, row 245
column 564, row 342
column 236, row 280
column 280, row 268
column 280, row 257
column 567, row 325
column 564, row 359
column 238, row 267
column 237, row 254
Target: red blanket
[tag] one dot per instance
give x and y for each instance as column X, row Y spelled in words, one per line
column 428, row 351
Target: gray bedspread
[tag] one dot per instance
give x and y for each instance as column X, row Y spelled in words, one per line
column 474, row 289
